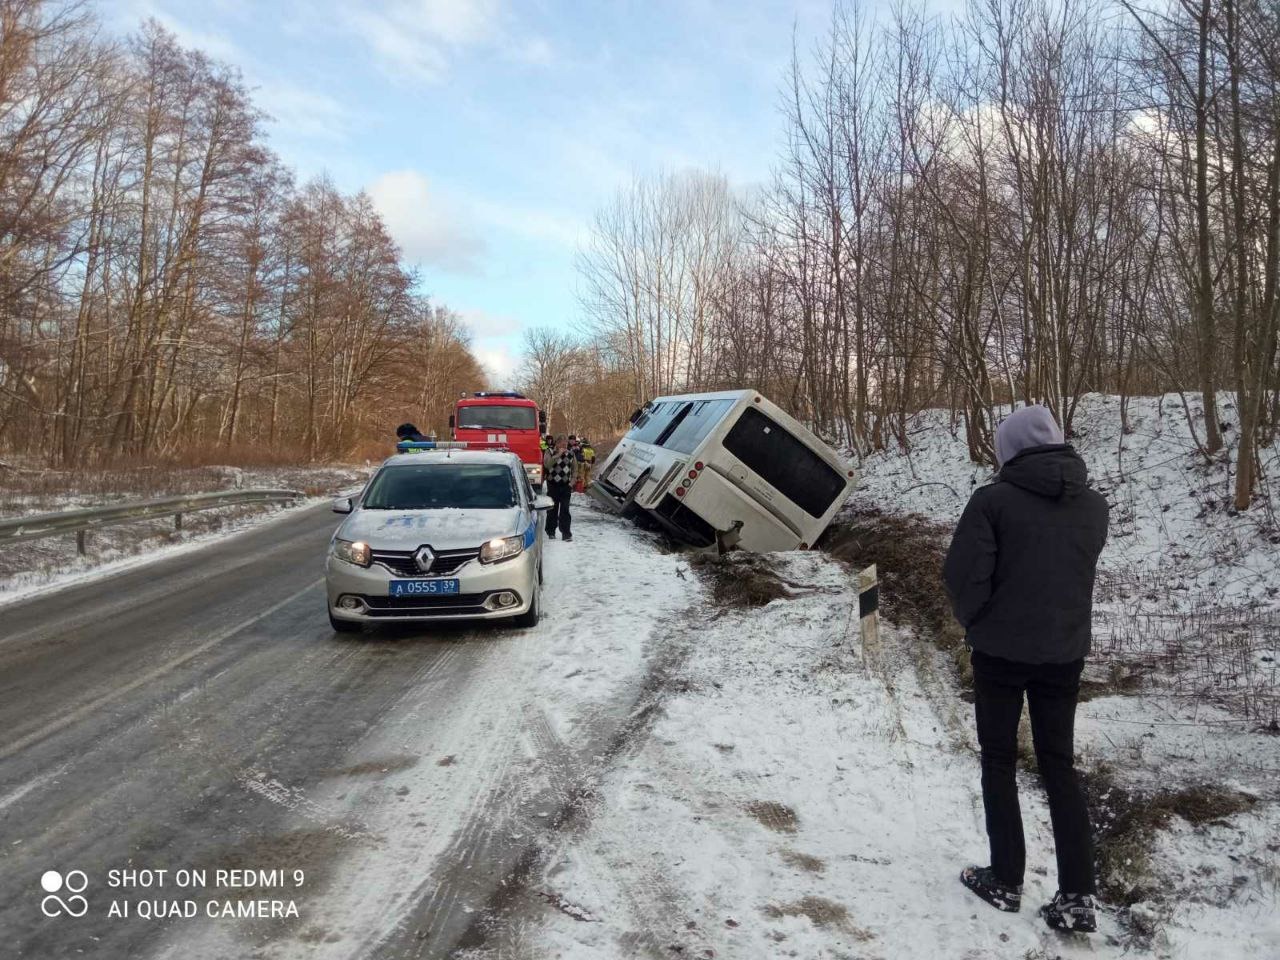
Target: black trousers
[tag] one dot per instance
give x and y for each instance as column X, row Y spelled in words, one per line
column 1051, row 690
column 558, row 515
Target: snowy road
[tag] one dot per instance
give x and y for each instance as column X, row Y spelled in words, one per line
column 198, row 714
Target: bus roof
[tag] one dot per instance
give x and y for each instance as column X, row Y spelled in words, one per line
column 717, row 395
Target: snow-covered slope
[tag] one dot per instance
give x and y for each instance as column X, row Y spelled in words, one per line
column 1189, row 590
column 803, row 793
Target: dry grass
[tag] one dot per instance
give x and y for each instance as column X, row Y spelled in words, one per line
column 1125, row 823
column 821, row 913
column 778, row 817
column 742, row 580
column 908, row 551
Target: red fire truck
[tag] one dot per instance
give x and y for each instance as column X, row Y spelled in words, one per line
column 507, row 418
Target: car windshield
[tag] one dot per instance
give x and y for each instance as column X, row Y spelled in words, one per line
column 492, row 417
column 436, row 486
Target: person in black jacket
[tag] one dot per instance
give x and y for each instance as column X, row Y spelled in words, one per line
column 1020, row 576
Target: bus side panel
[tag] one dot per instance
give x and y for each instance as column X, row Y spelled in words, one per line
column 714, row 452
column 721, row 504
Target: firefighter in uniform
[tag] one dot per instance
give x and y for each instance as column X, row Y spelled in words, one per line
column 588, row 454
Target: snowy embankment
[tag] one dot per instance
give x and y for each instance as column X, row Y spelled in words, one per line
column 803, row 794
column 34, row 566
column 1184, row 684
column 1188, row 600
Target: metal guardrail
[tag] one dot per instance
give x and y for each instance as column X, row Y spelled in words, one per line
column 80, row 522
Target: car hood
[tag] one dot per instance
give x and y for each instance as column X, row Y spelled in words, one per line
column 447, row 529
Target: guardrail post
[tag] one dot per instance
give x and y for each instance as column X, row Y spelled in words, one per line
column 177, row 521
column 869, row 605
column 80, row 534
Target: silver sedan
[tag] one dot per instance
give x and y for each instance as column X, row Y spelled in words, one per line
column 438, row 535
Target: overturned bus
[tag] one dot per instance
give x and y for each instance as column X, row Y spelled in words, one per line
column 725, row 469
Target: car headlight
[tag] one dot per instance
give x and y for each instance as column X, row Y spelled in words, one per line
column 501, row 548
column 534, row 470
column 353, row 551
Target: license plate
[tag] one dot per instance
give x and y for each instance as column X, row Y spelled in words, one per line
column 421, row 588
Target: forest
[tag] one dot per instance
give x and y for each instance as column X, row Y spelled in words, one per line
column 166, row 289
column 1024, row 202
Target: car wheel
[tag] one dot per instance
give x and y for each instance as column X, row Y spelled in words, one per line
column 344, row 626
column 531, row 616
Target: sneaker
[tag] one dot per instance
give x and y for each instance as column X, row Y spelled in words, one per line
column 983, row 882
column 568, row 538
column 1071, row 911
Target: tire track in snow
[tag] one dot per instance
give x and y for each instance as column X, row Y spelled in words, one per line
column 522, row 713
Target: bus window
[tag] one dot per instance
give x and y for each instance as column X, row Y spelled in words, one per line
column 700, row 421
column 784, row 462
column 673, row 424
column 655, row 420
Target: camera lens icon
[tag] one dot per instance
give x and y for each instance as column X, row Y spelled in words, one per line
column 74, row 883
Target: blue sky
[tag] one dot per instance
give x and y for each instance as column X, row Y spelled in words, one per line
column 488, row 131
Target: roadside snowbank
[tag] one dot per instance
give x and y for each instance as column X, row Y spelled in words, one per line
column 47, row 564
column 1188, row 599
column 804, row 795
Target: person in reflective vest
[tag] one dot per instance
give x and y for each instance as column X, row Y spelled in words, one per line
column 587, row 458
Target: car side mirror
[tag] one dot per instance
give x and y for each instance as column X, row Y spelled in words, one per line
column 543, row 502
column 342, row 505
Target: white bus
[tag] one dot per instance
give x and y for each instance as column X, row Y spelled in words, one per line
column 725, row 469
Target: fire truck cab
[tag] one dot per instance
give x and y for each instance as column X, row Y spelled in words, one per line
column 506, row 418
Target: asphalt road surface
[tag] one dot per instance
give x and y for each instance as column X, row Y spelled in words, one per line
column 197, row 715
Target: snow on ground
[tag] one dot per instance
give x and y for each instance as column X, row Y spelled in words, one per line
column 33, row 566
column 512, row 715
column 1188, row 590
column 803, row 794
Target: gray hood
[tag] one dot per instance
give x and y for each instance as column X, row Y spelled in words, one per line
column 444, row 529
column 1024, row 429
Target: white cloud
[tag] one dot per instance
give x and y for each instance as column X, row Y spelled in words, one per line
column 534, row 223
column 302, row 113
column 430, row 227
column 499, row 362
column 418, row 39
column 212, row 43
column 534, row 50
column 483, row 324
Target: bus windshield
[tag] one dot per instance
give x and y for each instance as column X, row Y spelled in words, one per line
column 435, row 486
column 782, row 461
column 494, row 417
column 697, row 423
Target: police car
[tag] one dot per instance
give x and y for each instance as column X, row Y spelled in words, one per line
column 440, row 532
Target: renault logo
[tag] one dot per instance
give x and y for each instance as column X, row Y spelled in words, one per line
column 423, row 558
